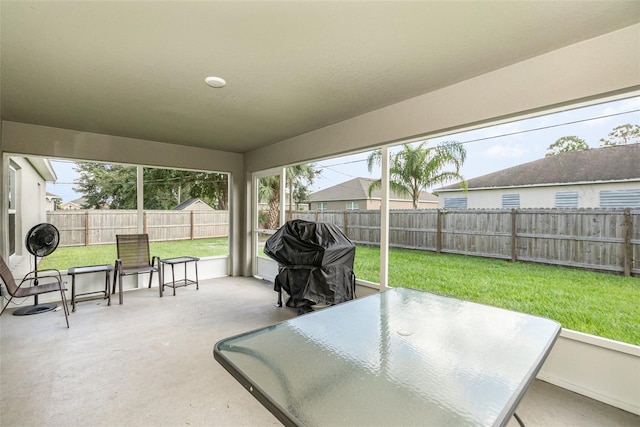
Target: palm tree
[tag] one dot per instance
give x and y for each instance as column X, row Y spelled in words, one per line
column 416, row 168
column 269, row 192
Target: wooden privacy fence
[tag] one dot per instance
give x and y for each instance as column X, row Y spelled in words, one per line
column 600, row 239
column 96, row 227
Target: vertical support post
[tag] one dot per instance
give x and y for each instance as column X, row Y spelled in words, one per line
column 345, row 222
column 627, row 243
column 192, row 220
column 141, row 226
column 514, row 215
column 384, row 221
column 439, row 231
column 283, row 204
column 86, row 227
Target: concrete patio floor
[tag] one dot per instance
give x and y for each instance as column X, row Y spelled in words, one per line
column 149, row 362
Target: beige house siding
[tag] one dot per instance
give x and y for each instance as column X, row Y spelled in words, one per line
column 588, row 195
column 31, row 201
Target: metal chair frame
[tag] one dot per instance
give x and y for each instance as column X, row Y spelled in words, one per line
column 52, row 276
column 134, row 258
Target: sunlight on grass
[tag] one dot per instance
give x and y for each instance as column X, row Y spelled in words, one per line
column 600, row 304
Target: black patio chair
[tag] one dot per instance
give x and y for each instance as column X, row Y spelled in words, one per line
column 55, row 284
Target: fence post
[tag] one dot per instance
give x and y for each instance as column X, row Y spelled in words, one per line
column 439, row 231
column 627, row 242
column 86, row 227
column 144, row 222
column 192, row 224
column 514, row 215
column 346, row 231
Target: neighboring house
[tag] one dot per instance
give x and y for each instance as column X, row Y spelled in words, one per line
column 52, row 201
column 27, row 199
column 354, row 195
column 195, row 204
column 78, row 204
column 75, row 204
column 600, row 177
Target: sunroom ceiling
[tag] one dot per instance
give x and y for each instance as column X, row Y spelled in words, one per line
column 137, row 69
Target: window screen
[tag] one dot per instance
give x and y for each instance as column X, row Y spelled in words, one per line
column 566, row 199
column 620, row 198
column 456, row 202
column 510, row 201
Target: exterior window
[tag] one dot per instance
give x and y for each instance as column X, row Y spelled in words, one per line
column 620, row 199
column 566, row 199
column 352, row 206
column 459, row 202
column 322, row 206
column 510, row 201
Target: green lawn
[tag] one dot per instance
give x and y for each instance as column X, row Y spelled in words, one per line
column 600, row 304
column 63, row 258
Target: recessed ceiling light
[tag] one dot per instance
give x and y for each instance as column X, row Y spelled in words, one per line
column 215, row 82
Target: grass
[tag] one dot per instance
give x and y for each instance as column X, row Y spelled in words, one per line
column 63, row 258
column 600, row 304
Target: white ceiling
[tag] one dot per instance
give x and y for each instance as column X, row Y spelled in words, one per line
column 137, row 69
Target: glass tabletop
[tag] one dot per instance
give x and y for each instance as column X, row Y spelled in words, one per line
column 401, row 357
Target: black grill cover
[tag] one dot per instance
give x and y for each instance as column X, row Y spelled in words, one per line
column 315, row 263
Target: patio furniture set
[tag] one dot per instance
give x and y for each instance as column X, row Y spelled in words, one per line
column 133, row 258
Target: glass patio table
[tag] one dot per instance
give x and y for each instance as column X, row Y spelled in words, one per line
column 400, row 357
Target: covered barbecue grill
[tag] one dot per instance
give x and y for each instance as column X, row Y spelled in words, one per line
column 315, row 264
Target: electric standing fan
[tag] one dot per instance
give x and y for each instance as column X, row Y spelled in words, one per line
column 41, row 240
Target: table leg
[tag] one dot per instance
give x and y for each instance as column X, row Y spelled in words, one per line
column 73, row 293
column 173, row 279
column 120, row 288
column 197, row 283
column 106, row 286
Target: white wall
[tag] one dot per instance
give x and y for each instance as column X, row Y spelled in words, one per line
column 30, row 201
column 536, row 197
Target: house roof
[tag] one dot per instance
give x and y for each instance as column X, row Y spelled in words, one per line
column 53, row 196
column 190, row 202
column 358, row 189
column 290, row 67
column 80, row 201
column 618, row 163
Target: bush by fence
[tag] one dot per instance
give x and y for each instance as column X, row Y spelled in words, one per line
column 601, row 239
column 96, row 227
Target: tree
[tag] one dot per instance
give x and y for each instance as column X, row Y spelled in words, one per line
column 115, row 186
column 416, row 168
column 622, row 135
column 566, row 144
column 269, row 192
column 299, row 178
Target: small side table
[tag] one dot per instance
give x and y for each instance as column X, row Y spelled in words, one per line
column 180, row 282
column 105, row 294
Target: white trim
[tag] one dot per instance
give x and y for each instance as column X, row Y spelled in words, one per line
column 596, row 367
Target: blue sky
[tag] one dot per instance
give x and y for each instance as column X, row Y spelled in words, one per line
column 488, row 150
